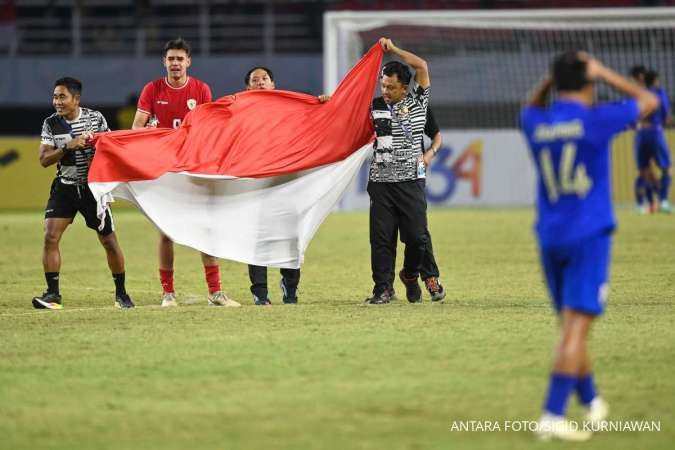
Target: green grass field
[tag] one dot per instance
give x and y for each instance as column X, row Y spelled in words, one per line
column 327, row 373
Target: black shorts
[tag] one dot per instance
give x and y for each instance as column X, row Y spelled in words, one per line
column 65, row 200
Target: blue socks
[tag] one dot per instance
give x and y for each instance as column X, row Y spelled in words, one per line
column 559, row 391
column 649, row 192
column 561, row 387
column 586, row 389
column 645, row 189
column 640, row 190
column 665, row 186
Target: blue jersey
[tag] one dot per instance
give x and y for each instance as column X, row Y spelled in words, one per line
column 569, row 143
column 658, row 118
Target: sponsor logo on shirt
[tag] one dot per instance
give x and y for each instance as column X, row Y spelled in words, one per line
column 162, row 102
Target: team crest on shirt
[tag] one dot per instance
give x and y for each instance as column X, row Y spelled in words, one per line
column 191, row 103
column 403, row 112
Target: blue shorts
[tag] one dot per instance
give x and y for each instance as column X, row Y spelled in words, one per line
column 577, row 274
column 651, row 144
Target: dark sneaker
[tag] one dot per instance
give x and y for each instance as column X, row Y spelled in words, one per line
column 381, row 299
column 123, row 301
column 47, row 300
column 435, row 289
column 261, row 301
column 290, row 293
column 412, row 287
column 392, row 293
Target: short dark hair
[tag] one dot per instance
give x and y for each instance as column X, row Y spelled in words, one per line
column 638, row 71
column 650, row 78
column 73, row 85
column 177, row 44
column 399, row 69
column 569, row 72
column 247, row 78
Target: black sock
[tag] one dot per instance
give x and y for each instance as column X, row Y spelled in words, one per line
column 118, row 278
column 52, row 282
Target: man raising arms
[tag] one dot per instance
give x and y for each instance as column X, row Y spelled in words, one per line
column 397, row 175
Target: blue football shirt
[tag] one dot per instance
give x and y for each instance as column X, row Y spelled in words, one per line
column 569, row 143
column 658, row 117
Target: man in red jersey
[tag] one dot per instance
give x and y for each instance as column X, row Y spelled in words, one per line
column 164, row 103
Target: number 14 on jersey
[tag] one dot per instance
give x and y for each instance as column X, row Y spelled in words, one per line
column 569, row 179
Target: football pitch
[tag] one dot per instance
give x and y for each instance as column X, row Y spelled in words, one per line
column 327, row 373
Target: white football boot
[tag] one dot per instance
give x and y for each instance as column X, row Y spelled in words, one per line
column 550, row 427
column 220, row 299
column 169, row 300
column 597, row 412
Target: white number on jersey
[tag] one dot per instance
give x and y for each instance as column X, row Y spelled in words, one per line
column 570, row 180
column 176, row 123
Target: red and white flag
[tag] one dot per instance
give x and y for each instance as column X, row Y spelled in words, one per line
column 249, row 177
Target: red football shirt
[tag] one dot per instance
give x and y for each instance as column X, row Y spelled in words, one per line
column 169, row 104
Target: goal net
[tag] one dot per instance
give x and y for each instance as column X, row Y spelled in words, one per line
column 483, row 63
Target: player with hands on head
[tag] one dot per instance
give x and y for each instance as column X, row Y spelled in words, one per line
column 569, row 144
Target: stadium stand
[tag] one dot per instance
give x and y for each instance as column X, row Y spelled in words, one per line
column 118, row 42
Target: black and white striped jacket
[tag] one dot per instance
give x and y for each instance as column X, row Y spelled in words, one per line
column 399, row 129
column 57, row 131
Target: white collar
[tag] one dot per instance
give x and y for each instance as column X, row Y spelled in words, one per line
column 79, row 114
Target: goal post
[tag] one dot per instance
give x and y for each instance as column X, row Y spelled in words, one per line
column 483, row 63
column 345, row 32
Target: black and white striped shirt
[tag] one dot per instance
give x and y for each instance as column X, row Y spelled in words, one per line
column 57, row 131
column 407, row 118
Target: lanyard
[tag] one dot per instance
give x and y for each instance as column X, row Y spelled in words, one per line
column 404, row 127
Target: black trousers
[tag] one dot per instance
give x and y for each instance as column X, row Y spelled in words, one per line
column 258, row 277
column 396, row 207
column 428, row 269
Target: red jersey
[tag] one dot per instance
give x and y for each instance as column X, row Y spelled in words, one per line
column 169, row 104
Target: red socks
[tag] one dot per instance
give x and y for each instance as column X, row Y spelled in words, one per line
column 166, row 278
column 212, row 274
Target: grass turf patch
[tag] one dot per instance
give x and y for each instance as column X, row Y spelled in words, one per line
column 328, row 372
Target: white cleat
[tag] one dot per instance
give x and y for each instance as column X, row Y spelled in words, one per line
column 552, row 427
column 597, row 412
column 643, row 209
column 169, row 300
column 665, row 207
column 220, row 299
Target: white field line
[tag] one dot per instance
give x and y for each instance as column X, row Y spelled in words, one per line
column 189, row 301
column 72, row 310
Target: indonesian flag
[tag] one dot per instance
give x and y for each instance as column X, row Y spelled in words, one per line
column 249, row 177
